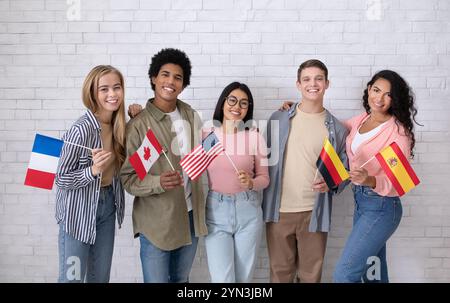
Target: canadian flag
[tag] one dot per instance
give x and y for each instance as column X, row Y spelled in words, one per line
column 146, row 155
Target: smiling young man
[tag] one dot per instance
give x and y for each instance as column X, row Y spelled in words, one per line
column 168, row 208
column 297, row 204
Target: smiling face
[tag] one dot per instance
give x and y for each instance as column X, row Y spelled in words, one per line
column 168, row 83
column 109, row 94
column 379, row 96
column 235, row 112
column 312, row 84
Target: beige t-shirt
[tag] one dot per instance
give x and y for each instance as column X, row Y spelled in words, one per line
column 303, row 147
column 106, row 135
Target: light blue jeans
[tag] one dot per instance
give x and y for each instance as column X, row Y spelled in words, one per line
column 168, row 266
column 234, row 234
column 82, row 262
column 374, row 221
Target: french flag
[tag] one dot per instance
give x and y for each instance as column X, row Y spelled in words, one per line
column 43, row 162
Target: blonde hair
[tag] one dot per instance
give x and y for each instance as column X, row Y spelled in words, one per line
column 90, row 90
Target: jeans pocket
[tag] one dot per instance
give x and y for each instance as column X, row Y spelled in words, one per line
column 370, row 193
column 397, row 210
column 254, row 199
column 212, row 203
column 370, row 203
column 215, row 211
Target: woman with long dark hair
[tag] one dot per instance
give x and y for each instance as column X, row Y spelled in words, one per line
column 388, row 117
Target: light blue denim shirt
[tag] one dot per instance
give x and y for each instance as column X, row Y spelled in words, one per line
column 321, row 215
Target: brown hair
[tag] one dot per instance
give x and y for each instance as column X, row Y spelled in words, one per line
column 312, row 63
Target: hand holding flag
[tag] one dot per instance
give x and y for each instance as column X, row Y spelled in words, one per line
column 171, row 179
column 197, row 161
column 100, row 160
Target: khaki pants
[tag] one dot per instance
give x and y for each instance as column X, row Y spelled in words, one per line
column 294, row 252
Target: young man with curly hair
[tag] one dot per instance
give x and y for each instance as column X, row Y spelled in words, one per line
column 168, row 208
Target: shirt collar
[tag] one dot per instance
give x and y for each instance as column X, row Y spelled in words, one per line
column 91, row 117
column 154, row 111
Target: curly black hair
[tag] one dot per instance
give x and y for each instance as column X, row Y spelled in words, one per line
column 174, row 56
column 402, row 102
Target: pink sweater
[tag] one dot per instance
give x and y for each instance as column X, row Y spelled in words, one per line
column 390, row 132
column 248, row 151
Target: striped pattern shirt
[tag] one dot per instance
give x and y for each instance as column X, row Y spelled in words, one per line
column 77, row 188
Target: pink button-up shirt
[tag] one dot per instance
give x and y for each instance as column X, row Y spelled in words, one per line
column 392, row 131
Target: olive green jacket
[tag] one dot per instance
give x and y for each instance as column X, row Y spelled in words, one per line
column 161, row 216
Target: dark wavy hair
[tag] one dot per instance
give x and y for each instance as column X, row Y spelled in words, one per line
column 218, row 113
column 402, row 102
column 174, row 56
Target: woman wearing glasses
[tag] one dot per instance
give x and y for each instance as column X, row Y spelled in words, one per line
column 233, row 207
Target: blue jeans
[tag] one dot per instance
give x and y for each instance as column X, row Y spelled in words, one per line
column 374, row 221
column 83, row 262
column 234, row 234
column 168, row 266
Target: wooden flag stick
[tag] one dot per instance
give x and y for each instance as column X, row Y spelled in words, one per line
column 367, row 161
column 78, row 145
column 231, row 161
column 165, row 155
column 315, row 176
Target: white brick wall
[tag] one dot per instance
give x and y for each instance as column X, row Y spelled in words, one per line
column 44, row 58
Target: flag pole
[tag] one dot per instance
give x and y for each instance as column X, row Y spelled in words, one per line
column 78, row 145
column 165, row 155
column 231, row 161
column 371, row 158
column 315, row 176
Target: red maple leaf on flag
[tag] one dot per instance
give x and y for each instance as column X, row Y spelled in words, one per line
column 146, row 153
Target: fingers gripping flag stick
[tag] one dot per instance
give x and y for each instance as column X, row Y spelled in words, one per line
column 197, row 161
column 43, row 162
column 146, row 155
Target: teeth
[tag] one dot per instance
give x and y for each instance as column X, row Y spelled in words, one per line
column 168, row 89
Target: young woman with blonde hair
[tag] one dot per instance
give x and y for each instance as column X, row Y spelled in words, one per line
column 89, row 192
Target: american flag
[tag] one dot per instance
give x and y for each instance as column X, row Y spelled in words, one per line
column 197, row 161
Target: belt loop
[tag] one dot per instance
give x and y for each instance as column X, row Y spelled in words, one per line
column 247, row 196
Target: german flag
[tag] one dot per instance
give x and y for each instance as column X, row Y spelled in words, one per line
column 330, row 166
column 397, row 168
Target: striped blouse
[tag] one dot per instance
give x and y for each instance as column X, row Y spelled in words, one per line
column 78, row 189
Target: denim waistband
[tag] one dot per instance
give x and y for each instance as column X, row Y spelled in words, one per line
column 107, row 188
column 369, row 191
column 361, row 189
column 244, row 195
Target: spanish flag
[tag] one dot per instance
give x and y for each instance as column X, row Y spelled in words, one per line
column 397, row 168
column 330, row 166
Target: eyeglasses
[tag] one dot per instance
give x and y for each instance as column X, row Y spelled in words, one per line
column 232, row 100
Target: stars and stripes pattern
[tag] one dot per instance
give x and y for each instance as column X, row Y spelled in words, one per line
column 197, row 161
